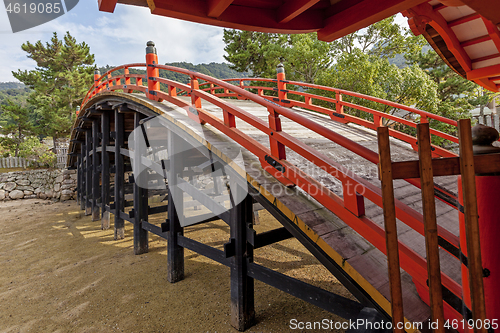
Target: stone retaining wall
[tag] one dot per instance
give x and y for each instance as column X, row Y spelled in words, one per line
column 42, row 184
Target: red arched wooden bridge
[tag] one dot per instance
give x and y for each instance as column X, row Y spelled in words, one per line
column 325, row 174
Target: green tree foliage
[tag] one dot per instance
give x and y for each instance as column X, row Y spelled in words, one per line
column 305, row 57
column 16, row 126
column 17, row 95
column 375, row 76
column 63, row 75
column 256, row 52
column 457, row 96
column 11, row 85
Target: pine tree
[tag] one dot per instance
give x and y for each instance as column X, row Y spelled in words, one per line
column 63, row 75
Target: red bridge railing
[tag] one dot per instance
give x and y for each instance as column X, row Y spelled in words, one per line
column 337, row 113
column 350, row 206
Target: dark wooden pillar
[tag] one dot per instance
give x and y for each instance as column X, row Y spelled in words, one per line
column 88, row 172
column 242, row 286
column 119, row 175
column 175, row 254
column 78, row 179
column 105, row 188
column 96, row 177
column 83, row 152
column 140, row 195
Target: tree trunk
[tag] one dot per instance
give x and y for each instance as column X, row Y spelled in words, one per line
column 481, row 114
column 54, row 140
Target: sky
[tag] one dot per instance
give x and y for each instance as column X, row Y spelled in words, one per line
column 117, row 38
column 114, row 39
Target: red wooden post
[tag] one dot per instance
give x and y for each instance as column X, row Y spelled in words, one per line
column 152, row 71
column 110, row 81
column 127, row 80
column 172, row 91
column 97, row 77
column 377, row 120
column 195, row 100
column 339, row 107
column 277, row 148
column 229, row 119
column 282, row 95
column 242, row 86
column 353, row 201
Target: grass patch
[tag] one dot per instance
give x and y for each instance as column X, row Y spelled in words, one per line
column 4, row 170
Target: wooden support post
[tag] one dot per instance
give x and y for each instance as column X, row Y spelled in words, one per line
column 242, row 286
column 83, row 152
column 119, row 175
column 140, row 196
column 281, row 78
column 175, row 253
column 96, row 191
column 78, row 178
column 88, row 173
column 471, row 223
column 105, row 186
column 152, row 71
column 391, row 231
column 430, row 225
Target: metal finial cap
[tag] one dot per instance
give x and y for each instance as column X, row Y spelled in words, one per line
column 280, row 68
column 96, row 71
column 77, row 108
column 151, row 47
column 482, row 139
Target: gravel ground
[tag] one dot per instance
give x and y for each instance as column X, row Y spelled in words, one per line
column 62, row 273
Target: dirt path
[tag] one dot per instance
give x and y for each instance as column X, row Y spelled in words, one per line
column 61, row 273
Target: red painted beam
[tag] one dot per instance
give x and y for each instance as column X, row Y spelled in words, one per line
column 423, row 14
column 107, row 5
column 493, row 32
column 237, row 17
column 293, row 8
column 484, row 72
column 362, row 15
column 488, row 57
column 217, row 7
column 464, row 19
column 476, row 40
